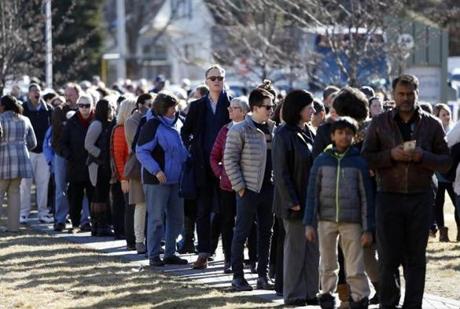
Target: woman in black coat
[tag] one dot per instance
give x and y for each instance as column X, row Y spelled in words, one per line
column 292, row 159
column 72, row 145
column 97, row 143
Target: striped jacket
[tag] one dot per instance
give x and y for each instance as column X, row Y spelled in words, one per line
column 245, row 155
column 17, row 138
column 340, row 190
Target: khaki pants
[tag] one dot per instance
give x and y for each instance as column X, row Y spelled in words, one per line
column 11, row 187
column 350, row 241
column 140, row 211
column 41, row 178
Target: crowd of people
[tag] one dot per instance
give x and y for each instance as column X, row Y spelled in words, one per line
column 329, row 195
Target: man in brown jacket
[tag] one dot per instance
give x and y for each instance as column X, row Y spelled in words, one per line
column 404, row 147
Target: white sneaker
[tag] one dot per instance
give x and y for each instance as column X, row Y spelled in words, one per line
column 46, row 219
column 23, row 219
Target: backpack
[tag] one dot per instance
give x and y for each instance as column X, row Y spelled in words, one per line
column 133, row 166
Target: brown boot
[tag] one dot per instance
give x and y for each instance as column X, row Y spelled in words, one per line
column 201, row 262
column 344, row 292
column 443, row 234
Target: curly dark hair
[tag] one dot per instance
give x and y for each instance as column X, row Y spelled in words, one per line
column 10, row 103
column 267, row 85
column 351, row 102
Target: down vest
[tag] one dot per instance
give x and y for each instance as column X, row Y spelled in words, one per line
column 245, row 155
column 339, row 190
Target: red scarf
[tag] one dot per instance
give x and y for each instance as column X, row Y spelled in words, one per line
column 85, row 122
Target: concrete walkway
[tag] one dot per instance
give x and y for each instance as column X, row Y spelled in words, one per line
column 213, row 276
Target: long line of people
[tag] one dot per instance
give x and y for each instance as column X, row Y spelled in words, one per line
column 116, row 162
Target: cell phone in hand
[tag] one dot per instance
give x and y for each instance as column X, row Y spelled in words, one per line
column 409, row 145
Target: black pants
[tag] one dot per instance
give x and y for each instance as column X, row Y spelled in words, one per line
column 402, row 222
column 207, row 202
column 129, row 223
column 227, row 218
column 250, row 205
column 439, row 203
column 102, row 196
column 76, row 193
column 277, row 253
column 118, row 209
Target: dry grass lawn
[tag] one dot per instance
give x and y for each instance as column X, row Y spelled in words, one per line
column 443, row 267
column 39, row 271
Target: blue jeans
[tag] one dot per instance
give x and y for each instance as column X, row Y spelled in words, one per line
column 60, row 196
column 163, row 200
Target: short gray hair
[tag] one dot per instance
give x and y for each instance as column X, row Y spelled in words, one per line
column 242, row 102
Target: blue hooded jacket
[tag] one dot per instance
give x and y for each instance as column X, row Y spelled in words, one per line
column 160, row 148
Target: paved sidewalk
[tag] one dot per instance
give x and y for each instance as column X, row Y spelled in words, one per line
column 213, row 276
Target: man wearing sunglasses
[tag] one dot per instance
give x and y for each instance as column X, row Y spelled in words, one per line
column 248, row 163
column 205, row 118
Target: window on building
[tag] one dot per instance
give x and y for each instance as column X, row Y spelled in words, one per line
column 182, row 8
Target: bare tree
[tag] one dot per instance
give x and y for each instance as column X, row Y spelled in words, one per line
column 256, row 34
column 22, row 44
column 353, row 39
column 20, row 37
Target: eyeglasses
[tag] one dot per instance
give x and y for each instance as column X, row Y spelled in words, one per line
column 84, row 105
column 213, row 78
column 230, row 108
column 267, row 107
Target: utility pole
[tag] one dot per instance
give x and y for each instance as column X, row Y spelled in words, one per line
column 49, row 45
column 121, row 39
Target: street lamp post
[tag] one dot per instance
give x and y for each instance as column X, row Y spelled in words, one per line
column 49, row 45
column 121, row 39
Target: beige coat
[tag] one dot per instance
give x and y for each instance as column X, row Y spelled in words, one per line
column 136, row 192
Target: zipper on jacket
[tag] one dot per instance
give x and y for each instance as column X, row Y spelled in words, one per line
column 337, row 183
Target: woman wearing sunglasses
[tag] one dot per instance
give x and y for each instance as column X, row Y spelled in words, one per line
column 73, row 150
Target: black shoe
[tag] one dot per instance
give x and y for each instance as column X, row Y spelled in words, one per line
column 362, row 304
column 263, row 284
column 59, row 227
column 119, row 237
column 156, row 261
column 85, row 227
column 295, row 303
column 130, row 247
column 253, row 268
column 375, row 299
column 312, row 301
column 240, row 284
column 174, row 260
column 327, row 301
column 228, row 268
column 104, row 231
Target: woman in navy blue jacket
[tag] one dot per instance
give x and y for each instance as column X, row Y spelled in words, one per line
column 161, row 153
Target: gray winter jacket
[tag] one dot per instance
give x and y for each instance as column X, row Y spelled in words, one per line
column 245, row 155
